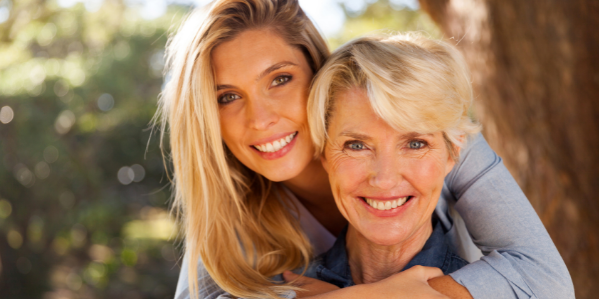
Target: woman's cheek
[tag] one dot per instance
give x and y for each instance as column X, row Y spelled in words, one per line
column 349, row 173
column 426, row 172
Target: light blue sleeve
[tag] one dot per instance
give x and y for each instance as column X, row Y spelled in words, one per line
column 207, row 288
column 520, row 259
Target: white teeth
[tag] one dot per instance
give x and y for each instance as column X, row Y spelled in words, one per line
column 401, row 201
column 386, row 205
column 275, row 145
column 269, row 148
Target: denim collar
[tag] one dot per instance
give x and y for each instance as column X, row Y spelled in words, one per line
column 333, row 265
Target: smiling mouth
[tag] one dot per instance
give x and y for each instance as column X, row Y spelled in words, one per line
column 387, row 204
column 271, row 147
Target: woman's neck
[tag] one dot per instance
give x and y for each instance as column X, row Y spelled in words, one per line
column 370, row 262
column 313, row 190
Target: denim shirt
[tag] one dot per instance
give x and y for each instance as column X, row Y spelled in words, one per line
column 333, row 265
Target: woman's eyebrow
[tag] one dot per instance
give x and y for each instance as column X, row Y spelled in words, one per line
column 353, row 135
column 410, row 135
column 225, row 86
column 275, row 67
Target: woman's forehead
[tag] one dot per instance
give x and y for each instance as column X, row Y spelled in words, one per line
column 251, row 53
column 354, row 117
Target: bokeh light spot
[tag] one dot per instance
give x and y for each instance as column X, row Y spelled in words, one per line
column 78, row 235
column 126, row 175
column 96, row 271
column 105, row 102
column 46, row 35
column 37, row 75
column 88, row 122
column 74, row 281
column 138, row 173
column 42, row 170
column 14, row 238
column 93, row 5
column 64, row 122
column 24, row 175
column 5, row 208
column 100, row 253
column 6, row 114
column 4, row 14
column 129, row 257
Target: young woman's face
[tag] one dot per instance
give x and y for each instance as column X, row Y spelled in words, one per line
column 262, row 89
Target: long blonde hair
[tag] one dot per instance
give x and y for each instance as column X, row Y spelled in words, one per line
column 229, row 214
column 413, row 83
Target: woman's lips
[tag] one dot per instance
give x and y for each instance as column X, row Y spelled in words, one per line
column 277, row 148
column 387, row 207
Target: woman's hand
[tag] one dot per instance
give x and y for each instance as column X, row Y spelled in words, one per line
column 412, row 283
column 311, row 286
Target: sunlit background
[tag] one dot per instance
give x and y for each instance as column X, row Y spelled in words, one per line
column 84, row 195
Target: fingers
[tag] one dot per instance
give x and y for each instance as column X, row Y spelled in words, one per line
column 289, row 276
column 425, row 273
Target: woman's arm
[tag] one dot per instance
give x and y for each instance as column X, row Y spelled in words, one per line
column 520, row 259
column 207, row 288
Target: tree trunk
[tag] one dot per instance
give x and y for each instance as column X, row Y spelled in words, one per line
column 535, row 71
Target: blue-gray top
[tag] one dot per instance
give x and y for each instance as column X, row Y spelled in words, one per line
column 333, row 265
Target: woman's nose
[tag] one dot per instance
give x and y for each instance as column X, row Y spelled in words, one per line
column 261, row 114
column 385, row 173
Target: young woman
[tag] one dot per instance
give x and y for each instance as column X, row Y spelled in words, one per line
column 254, row 201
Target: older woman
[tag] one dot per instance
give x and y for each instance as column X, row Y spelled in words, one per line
column 390, row 115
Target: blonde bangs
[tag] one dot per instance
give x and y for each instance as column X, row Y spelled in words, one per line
column 413, row 83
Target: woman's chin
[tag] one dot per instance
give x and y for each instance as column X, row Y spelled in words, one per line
column 384, row 238
column 284, row 172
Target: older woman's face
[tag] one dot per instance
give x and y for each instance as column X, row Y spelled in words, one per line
column 262, row 90
column 386, row 182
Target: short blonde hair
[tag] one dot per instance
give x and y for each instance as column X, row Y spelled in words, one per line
column 231, row 218
column 413, row 83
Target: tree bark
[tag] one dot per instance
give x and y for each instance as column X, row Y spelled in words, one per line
column 535, row 72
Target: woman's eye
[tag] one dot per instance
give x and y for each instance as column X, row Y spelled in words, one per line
column 356, row 146
column 228, row 98
column 416, row 144
column 280, row 80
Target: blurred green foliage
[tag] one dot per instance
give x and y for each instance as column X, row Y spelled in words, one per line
column 83, row 204
column 383, row 17
column 83, row 209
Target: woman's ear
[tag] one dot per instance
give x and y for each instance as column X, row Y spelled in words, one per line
column 453, row 158
column 450, row 164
